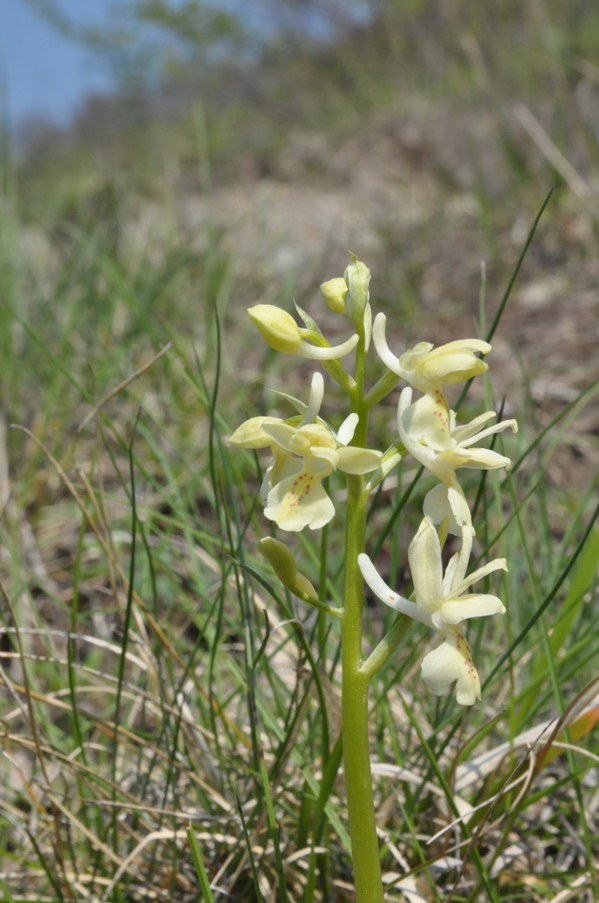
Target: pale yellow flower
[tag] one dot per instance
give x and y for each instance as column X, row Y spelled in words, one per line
column 442, row 603
column 303, row 455
column 429, row 431
column 428, row 368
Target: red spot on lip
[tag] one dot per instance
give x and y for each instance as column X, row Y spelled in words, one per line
column 302, row 486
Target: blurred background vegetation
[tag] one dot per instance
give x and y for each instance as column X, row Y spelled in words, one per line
column 251, row 146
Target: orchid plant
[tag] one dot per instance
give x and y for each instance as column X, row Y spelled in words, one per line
column 305, row 450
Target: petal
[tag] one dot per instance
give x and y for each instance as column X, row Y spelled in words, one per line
column 447, row 502
column 452, row 369
column 498, row 564
column 283, row 465
column 386, row 594
column 422, row 453
column 413, row 359
column 367, row 326
column 315, row 400
column 278, row 327
column 424, row 555
column 455, row 361
column 452, row 662
column 380, row 343
column 280, row 433
column 428, row 457
column 267, row 484
column 316, row 434
column 358, row 460
column 496, row 428
column 466, row 430
column 347, row 429
column 474, row 458
column 299, row 439
column 334, row 292
column 459, row 505
column 299, row 501
column 458, row 564
column 403, row 406
column 475, row 605
column 462, row 346
column 328, row 455
column 251, row 434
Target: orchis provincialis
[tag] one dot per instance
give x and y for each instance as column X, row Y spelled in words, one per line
column 429, row 432
column 303, row 455
column 442, row 604
column 306, row 450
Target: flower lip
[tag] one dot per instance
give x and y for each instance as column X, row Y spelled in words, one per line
column 449, row 663
column 429, row 432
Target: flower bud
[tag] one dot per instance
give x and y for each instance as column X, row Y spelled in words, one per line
column 278, row 328
column 281, row 560
column 357, row 279
column 282, row 333
column 334, row 292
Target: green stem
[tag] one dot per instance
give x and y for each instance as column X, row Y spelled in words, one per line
column 385, row 649
column 356, row 747
column 382, row 388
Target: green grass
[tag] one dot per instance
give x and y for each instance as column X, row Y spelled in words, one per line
column 169, row 716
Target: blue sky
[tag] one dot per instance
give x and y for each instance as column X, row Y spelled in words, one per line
column 40, row 72
column 43, row 73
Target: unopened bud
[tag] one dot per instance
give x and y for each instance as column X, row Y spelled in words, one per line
column 282, row 333
column 357, row 279
column 281, row 560
column 334, row 292
column 278, row 328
